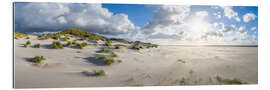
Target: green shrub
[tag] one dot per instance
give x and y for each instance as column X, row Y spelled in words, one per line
column 28, row 42
column 37, row 45
column 80, row 45
column 57, row 45
column 25, row 45
column 230, row 81
column 136, row 47
column 234, row 81
column 66, row 38
column 69, row 43
column 114, row 54
column 107, row 44
column 56, row 36
column 131, row 79
column 74, row 42
column 19, row 35
column 99, row 72
column 38, row 59
column 119, row 61
column 117, row 47
column 84, row 44
column 182, row 61
column 137, row 85
column 84, row 35
column 107, row 60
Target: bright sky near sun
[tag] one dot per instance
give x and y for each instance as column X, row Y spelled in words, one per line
column 160, row 24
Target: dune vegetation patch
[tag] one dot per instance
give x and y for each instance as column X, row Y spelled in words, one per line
column 137, row 85
column 57, row 45
column 69, row 43
column 37, row 45
column 230, row 81
column 99, row 72
column 181, row 60
column 18, row 35
column 27, row 43
column 107, row 60
column 38, row 59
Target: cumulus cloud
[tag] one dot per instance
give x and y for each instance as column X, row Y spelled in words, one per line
column 253, row 29
column 248, row 17
column 201, row 13
column 242, row 29
column 36, row 17
column 230, row 13
column 217, row 14
column 168, row 22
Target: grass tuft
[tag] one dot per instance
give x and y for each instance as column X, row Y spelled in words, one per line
column 69, row 43
column 37, row 45
column 38, row 59
column 57, row 45
column 28, row 42
column 230, row 81
column 181, row 60
column 99, row 72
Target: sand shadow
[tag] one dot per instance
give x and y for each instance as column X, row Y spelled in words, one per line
column 31, row 60
column 47, row 46
column 95, row 61
column 99, row 51
column 74, row 47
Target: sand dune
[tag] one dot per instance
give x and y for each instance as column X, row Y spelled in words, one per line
column 153, row 66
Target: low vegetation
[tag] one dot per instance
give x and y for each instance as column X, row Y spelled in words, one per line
column 107, row 60
column 137, row 45
column 66, row 38
column 38, row 59
column 37, row 45
column 230, row 81
column 117, row 47
column 81, row 33
column 18, row 35
column 137, row 85
column 57, row 45
column 119, row 61
column 107, row 44
column 26, row 44
column 81, row 45
column 69, row 43
column 99, row 72
column 131, row 78
column 181, row 60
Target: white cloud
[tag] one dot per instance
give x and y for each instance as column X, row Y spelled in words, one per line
column 230, row 13
column 253, row 29
column 242, row 29
column 167, row 20
column 201, row 13
column 217, row 14
column 248, row 17
column 32, row 17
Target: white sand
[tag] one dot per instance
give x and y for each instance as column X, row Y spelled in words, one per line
column 155, row 66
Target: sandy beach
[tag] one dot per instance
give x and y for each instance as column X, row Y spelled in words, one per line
column 164, row 65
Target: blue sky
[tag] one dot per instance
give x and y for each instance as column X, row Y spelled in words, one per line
column 161, row 24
